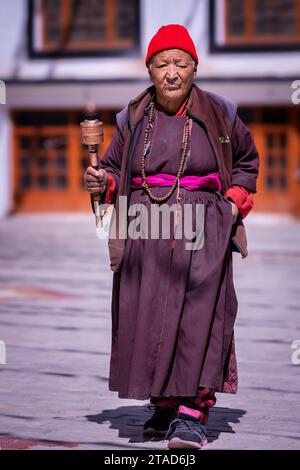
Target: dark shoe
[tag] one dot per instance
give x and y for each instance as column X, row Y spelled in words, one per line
column 160, row 421
column 186, row 432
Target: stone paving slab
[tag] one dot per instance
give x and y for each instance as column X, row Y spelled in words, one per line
column 55, row 293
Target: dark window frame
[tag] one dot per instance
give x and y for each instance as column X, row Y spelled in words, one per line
column 216, row 48
column 33, row 53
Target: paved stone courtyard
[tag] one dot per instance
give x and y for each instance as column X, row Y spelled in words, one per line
column 55, row 293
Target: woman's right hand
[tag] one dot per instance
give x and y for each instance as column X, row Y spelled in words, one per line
column 95, row 181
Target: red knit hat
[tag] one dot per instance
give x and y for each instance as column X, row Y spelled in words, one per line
column 172, row 36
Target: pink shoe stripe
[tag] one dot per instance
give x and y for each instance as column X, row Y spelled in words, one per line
column 189, row 411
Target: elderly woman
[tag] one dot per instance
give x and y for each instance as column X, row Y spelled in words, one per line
column 173, row 308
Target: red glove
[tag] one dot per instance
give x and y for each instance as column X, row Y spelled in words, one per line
column 242, row 198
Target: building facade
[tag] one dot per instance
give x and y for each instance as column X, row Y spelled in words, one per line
column 59, row 55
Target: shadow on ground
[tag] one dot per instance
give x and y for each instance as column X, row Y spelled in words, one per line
column 129, row 421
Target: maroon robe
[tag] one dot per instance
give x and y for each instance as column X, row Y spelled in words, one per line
column 174, row 310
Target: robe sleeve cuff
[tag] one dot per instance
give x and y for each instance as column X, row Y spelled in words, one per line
column 242, row 198
column 110, row 189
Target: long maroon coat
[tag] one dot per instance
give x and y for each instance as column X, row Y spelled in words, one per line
column 173, row 310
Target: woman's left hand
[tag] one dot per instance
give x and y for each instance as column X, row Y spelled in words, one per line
column 235, row 211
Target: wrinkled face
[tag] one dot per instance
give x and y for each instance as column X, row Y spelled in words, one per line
column 172, row 72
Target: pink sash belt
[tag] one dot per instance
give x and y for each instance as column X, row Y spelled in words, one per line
column 212, row 181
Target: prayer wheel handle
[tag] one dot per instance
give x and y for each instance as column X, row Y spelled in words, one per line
column 91, row 130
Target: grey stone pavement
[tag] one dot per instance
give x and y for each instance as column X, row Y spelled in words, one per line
column 55, row 293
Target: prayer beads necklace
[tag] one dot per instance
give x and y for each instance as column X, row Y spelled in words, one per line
column 146, row 149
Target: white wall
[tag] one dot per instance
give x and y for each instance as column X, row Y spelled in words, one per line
column 12, row 34
column 5, row 161
column 154, row 13
column 61, row 96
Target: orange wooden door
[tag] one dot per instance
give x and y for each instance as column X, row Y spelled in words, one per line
column 49, row 163
column 278, row 185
